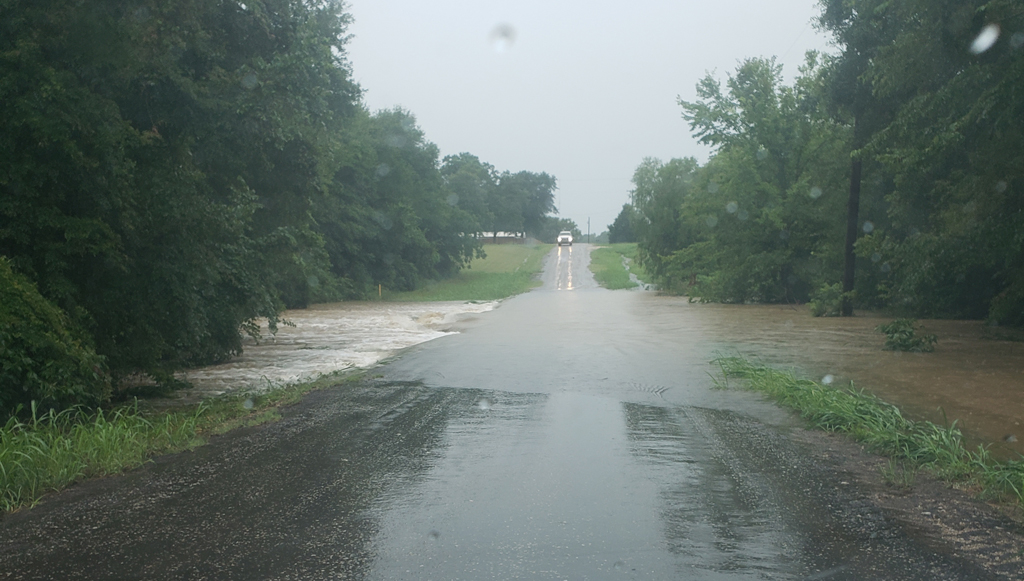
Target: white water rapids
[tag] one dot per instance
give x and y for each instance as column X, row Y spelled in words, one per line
column 330, row 337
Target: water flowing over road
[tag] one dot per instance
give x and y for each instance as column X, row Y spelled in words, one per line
column 571, row 433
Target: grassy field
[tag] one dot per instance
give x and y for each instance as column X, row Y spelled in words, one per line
column 606, row 264
column 911, row 445
column 508, row 269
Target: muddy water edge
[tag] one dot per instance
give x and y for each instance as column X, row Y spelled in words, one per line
column 970, row 378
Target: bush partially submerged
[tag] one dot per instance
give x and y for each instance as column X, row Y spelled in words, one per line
column 41, row 358
column 827, row 301
column 901, row 335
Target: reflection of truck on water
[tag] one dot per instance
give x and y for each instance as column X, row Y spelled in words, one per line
column 565, row 238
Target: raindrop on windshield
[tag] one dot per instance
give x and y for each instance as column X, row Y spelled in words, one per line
column 712, row 187
column 502, row 38
column 828, row 379
column 434, row 534
column 1017, row 40
column 784, row 234
column 985, row 39
column 383, row 170
column 453, row 200
column 384, row 221
column 885, row 267
column 484, row 403
column 312, row 281
column 249, row 81
column 731, row 207
column 876, row 257
column 395, row 140
column 711, row 221
column 762, row 153
column 868, row 227
column 247, row 404
column 742, row 215
column 815, row 192
column 1000, row 186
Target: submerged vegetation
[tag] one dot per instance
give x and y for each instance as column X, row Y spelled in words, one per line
column 889, row 175
column 901, row 335
column 883, row 428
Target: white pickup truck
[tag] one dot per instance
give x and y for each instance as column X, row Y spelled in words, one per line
column 565, row 238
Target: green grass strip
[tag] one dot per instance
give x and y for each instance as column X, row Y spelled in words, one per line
column 609, row 271
column 884, row 429
column 48, row 452
column 508, row 269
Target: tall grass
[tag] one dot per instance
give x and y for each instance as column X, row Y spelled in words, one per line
column 51, row 451
column 884, row 429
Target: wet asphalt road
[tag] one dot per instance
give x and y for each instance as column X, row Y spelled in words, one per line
column 573, row 433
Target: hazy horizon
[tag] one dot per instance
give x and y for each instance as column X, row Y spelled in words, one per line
column 582, row 91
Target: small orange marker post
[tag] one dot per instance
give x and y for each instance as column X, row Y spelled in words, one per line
column 379, row 291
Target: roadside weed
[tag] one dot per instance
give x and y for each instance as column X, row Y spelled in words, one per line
column 908, row 443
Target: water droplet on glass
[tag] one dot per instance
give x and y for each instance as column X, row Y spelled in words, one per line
column 784, row 234
column 619, row 565
column 248, row 404
column 383, row 170
column 383, row 219
column 868, row 227
column 711, row 221
column 876, row 257
column 453, row 199
column 712, row 187
column 250, row 80
column 1000, row 186
column 762, row 153
column 828, row 379
column 885, row 267
column 742, row 215
column 502, row 37
column 434, row 534
column 312, row 281
column 731, row 207
column 1017, row 40
column 395, row 140
column 483, row 403
column 141, row 14
column 985, row 39
column 815, row 192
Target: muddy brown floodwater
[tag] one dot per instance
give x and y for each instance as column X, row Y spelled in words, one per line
column 969, row 378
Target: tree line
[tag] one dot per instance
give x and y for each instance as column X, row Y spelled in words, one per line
column 172, row 172
column 889, row 175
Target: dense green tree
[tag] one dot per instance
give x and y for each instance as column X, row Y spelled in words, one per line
column 621, row 230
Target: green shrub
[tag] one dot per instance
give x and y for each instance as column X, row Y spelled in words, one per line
column 900, row 335
column 827, row 301
column 41, row 358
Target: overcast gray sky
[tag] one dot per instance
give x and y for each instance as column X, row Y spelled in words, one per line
column 584, row 90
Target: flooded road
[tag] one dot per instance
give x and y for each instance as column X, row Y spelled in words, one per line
column 567, row 434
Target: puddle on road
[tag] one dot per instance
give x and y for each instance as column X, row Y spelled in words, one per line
column 331, row 337
column 977, row 381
